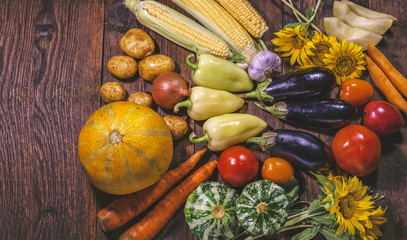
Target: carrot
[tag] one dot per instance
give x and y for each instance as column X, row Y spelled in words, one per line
column 385, row 86
column 399, row 81
column 152, row 223
column 125, row 208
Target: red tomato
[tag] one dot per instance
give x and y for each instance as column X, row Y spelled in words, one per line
column 277, row 170
column 382, row 118
column 357, row 150
column 238, row 166
column 356, row 91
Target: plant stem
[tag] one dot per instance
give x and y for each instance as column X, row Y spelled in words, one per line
column 315, row 12
column 293, row 227
column 295, row 14
column 300, row 14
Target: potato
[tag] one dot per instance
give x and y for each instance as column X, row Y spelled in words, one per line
column 150, row 67
column 112, row 92
column 123, row 67
column 137, row 43
column 177, row 126
column 141, row 98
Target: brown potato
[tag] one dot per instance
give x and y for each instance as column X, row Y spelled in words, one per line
column 150, row 67
column 141, row 98
column 112, row 92
column 177, row 126
column 123, row 67
column 137, row 43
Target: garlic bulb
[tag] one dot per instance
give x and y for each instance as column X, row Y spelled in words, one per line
column 264, row 65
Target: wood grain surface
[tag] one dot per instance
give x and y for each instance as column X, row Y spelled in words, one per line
column 53, row 57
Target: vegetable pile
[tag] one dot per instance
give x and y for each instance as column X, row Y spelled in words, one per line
column 231, row 66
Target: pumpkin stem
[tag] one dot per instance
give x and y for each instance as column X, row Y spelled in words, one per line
column 218, row 211
column 115, row 137
column 261, row 207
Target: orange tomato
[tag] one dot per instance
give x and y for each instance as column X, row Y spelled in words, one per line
column 277, row 170
column 356, row 91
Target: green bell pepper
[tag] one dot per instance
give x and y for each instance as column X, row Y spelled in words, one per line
column 229, row 129
column 204, row 103
column 217, row 73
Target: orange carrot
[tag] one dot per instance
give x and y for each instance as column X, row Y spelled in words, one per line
column 385, row 86
column 398, row 80
column 126, row 207
column 152, row 223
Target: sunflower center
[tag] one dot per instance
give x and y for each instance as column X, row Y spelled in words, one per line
column 346, row 206
column 345, row 64
column 297, row 42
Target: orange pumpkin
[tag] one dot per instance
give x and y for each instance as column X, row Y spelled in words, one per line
column 125, row 147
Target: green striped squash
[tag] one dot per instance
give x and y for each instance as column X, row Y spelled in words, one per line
column 262, row 207
column 210, row 212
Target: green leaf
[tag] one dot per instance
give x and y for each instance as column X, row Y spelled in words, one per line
column 307, row 234
column 329, row 234
column 291, row 188
column 316, row 208
column 309, row 13
column 293, row 25
column 324, row 181
column 324, row 219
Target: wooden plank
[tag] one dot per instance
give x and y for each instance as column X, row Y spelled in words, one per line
column 50, row 65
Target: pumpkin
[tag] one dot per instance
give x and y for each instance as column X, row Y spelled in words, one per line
column 125, row 147
column 262, row 207
column 210, row 212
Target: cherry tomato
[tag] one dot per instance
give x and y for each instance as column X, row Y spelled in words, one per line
column 277, row 170
column 382, row 118
column 357, row 150
column 238, row 166
column 356, row 91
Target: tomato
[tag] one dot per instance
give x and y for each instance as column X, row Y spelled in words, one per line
column 357, row 150
column 382, row 117
column 238, row 166
column 356, row 91
column 277, row 170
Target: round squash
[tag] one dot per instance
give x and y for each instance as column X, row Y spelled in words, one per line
column 125, row 147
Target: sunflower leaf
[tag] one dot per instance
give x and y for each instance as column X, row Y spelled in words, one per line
column 293, row 25
column 307, row 234
column 324, row 219
column 309, row 13
column 316, row 208
column 324, row 181
column 330, row 234
column 291, row 187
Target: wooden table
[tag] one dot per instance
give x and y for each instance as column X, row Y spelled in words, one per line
column 53, row 57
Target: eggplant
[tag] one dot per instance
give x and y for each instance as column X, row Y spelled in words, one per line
column 299, row 148
column 331, row 113
column 300, row 84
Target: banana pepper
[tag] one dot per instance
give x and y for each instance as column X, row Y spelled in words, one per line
column 229, row 129
column 217, row 73
column 204, row 103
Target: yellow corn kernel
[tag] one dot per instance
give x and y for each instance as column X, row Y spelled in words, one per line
column 216, row 18
column 216, row 46
column 246, row 15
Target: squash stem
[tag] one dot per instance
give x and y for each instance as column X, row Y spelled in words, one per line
column 204, row 138
column 187, row 103
column 194, row 66
column 131, row 4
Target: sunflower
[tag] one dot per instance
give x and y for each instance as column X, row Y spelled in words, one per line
column 292, row 42
column 351, row 204
column 372, row 231
column 346, row 60
column 322, row 45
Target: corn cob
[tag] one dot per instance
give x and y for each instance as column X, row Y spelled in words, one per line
column 218, row 20
column 178, row 28
column 246, row 15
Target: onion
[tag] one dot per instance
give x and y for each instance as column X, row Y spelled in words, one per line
column 168, row 89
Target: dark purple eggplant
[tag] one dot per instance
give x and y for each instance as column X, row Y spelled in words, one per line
column 300, row 84
column 299, row 148
column 331, row 113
